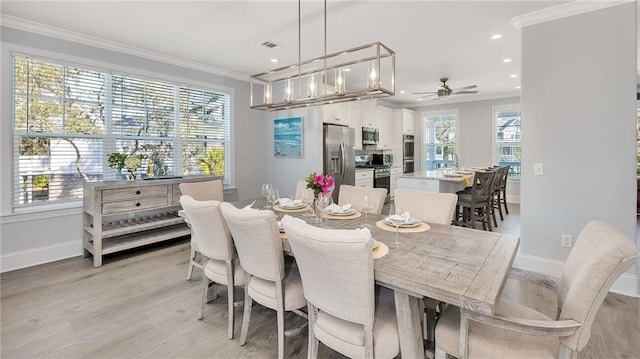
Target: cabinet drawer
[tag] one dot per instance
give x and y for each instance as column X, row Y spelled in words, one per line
column 132, row 193
column 364, row 174
column 134, row 204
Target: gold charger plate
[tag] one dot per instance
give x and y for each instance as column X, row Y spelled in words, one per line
column 421, row 228
column 282, row 209
column 342, row 216
column 380, row 251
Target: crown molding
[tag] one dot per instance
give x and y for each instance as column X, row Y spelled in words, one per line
column 84, row 39
column 562, row 11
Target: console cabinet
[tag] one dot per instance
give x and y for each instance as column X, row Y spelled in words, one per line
column 120, row 215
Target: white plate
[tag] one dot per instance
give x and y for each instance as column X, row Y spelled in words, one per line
column 452, row 175
column 465, row 172
column 301, row 205
column 414, row 222
column 349, row 212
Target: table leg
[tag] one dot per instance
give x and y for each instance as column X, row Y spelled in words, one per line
column 409, row 313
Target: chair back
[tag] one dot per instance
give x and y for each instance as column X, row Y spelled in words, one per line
column 482, row 188
column 257, row 239
column 353, row 195
column 208, row 228
column 436, row 208
column 497, row 181
column 336, row 267
column 203, row 191
column 600, row 255
column 302, row 191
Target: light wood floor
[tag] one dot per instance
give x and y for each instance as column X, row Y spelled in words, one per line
column 139, row 305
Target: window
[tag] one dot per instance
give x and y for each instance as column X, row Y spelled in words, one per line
column 508, row 139
column 440, row 139
column 67, row 119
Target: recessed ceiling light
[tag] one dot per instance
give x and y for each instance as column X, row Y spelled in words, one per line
column 402, row 91
column 518, row 87
column 513, row 76
column 274, row 60
column 496, row 37
column 419, row 99
column 506, row 60
column 347, row 69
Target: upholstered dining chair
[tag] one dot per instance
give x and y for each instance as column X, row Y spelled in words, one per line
column 302, row 191
column 221, row 265
column 200, row 191
column 600, row 255
column 348, row 313
column 475, row 204
column 270, row 280
column 436, row 208
column 353, row 195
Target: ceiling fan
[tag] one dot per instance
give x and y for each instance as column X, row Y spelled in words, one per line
column 445, row 91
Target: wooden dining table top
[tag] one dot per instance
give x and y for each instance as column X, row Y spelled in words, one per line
column 460, row 266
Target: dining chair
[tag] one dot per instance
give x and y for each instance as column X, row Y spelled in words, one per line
column 502, row 198
column 496, row 199
column 270, row 280
column 348, row 313
column 353, row 195
column 436, row 208
column 201, row 191
column 302, row 191
column 221, row 265
column 474, row 204
column 600, row 255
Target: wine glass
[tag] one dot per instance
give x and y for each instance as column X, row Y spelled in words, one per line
column 308, row 200
column 396, row 223
column 266, row 190
column 274, row 197
column 366, row 204
column 324, row 200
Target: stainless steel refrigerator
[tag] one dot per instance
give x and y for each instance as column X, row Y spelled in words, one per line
column 339, row 156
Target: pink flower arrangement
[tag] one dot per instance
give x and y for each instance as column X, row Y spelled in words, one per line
column 319, row 183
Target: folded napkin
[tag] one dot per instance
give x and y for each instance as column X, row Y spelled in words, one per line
column 286, row 202
column 249, row 207
column 334, row 208
column 404, row 218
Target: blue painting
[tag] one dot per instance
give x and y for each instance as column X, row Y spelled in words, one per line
column 287, row 137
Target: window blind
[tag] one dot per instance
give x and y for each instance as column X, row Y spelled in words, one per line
column 68, row 118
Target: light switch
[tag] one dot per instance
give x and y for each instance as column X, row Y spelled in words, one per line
column 538, row 169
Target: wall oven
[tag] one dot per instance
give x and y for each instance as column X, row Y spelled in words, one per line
column 408, row 149
column 370, row 136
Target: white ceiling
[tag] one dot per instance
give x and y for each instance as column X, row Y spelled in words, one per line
column 431, row 39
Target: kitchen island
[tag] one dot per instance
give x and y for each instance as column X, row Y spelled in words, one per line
column 434, row 181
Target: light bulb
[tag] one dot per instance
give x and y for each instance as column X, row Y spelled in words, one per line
column 373, row 76
column 288, row 91
column 267, row 94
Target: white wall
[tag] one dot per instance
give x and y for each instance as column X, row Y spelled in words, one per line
column 475, row 134
column 578, row 118
column 28, row 239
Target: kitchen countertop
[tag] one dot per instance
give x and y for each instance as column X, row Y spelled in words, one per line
column 433, row 175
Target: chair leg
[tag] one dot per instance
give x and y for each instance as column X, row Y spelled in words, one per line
column 192, row 259
column 248, row 302
column 493, row 214
column 280, row 317
column 500, row 206
column 504, row 197
column 205, row 290
column 230, row 298
column 312, row 352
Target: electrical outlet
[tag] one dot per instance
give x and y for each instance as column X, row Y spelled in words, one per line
column 567, row 240
column 538, row 169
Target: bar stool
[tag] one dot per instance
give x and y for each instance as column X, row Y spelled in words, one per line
column 475, row 205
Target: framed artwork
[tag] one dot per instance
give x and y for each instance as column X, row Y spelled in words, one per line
column 287, row 137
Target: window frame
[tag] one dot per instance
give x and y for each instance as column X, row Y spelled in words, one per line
column 494, row 138
column 7, row 140
column 423, row 143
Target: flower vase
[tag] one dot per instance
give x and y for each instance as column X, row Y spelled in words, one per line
column 131, row 176
column 315, row 215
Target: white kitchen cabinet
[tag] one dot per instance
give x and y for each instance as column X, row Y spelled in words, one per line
column 337, row 113
column 395, row 172
column 356, row 122
column 120, row 215
column 408, row 122
column 364, row 178
column 384, row 125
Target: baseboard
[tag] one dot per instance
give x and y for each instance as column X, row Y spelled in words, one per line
column 627, row 284
column 34, row 256
column 513, row 199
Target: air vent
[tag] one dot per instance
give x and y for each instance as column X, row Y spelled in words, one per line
column 271, row 44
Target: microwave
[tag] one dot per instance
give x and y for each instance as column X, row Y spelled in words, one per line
column 370, row 136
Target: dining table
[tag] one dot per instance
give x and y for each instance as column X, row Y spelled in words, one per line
column 460, row 266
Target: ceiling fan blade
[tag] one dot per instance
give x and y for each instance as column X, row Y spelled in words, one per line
column 464, row 92
column 423, row 93
column 466, row 88
column 425, row 96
